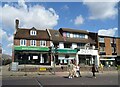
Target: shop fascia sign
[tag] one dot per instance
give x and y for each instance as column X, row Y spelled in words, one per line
column 85, row 51
column 31, row 48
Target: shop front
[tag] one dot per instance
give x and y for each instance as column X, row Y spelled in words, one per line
column 108, row 60
column 31, row 55
column 88, row 57
column 66, row 55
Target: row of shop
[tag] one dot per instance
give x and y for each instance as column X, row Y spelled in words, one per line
column 43, row 56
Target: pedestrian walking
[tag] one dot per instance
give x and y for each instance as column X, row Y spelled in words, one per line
column 70, row 69
column 97, row 68
column 101, row 67
column 94, row 70
column 78, row 74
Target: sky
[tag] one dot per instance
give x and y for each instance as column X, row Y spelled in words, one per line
column 100, row 17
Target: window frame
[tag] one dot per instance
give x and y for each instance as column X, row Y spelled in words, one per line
column 32, row 42
column 22, row 42
column 33, row 32
column 43, row 41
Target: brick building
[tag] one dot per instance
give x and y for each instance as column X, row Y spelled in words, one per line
column 109, row 48
column 34, row 46
column 31, row 46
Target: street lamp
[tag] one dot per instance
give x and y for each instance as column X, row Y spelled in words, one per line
column 53, row 52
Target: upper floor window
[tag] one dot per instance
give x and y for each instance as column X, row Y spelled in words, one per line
column 22, row 42
column 67, row 45
column 68, row 34
column 81, row 45
column 82, row 35
column 33, row 43
column 101, row 39
column 42, row 43
column 32, row 32
column 75, row 35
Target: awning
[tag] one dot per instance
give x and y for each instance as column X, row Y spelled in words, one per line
column 108, row 55
column 67, row 50
column 20, row 48
column 108, row 59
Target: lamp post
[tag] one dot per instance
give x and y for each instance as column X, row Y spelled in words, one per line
column 53, row 52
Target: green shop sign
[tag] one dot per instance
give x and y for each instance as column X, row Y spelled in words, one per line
column 31, row 48
column 66, row 50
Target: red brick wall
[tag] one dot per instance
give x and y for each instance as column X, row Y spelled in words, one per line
column 16, row 42
column 108, row 48
column 27, row 42
column 37, row 42
column 48, row 43
column 118, row 46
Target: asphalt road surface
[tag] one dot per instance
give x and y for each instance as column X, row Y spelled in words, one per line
column 107, row 80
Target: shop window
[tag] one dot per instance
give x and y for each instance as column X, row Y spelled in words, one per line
column 102, row 49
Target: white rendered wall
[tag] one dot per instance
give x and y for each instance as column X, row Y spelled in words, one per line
column 74, row 45
column 61, row 45
column 86, row 36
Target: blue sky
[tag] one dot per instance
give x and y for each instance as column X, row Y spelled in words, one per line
column 101, row 17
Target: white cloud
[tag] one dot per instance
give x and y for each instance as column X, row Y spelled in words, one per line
column 22, row 4
column 79, row 20
column 101, row 10
column 33, row 16
column 108, row 32
column 10, row 45
column 10, row 38
column 65, row 7
column 3, row 34
column 6, row 52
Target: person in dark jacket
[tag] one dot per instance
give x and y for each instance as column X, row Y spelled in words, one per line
column 93, row 70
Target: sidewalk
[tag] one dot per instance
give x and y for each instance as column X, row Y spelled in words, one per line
column 5, row 73
column 34, row 74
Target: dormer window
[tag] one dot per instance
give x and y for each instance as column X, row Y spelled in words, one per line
column 33, row 32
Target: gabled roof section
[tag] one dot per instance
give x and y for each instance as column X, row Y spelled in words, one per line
column 23, row 33
column 55, row 35
column 73, row 30
column 33, row 28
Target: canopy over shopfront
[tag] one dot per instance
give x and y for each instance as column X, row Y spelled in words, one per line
column 20, row 48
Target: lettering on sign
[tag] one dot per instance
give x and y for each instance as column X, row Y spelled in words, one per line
column 83, row 51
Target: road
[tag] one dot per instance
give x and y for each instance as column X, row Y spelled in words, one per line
column 107, row 79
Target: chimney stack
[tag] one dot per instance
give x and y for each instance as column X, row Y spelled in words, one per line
column 17, row 23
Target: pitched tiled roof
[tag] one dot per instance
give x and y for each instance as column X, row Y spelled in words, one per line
column 55, row 35
column 73, row 30
column 23, row 33
column 78, row 40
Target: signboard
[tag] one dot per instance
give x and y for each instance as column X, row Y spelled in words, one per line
column 14, row 66
column 31, row 48
column 42, row 69
column 66, row 50
column 35, row 57
column 87, row 52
